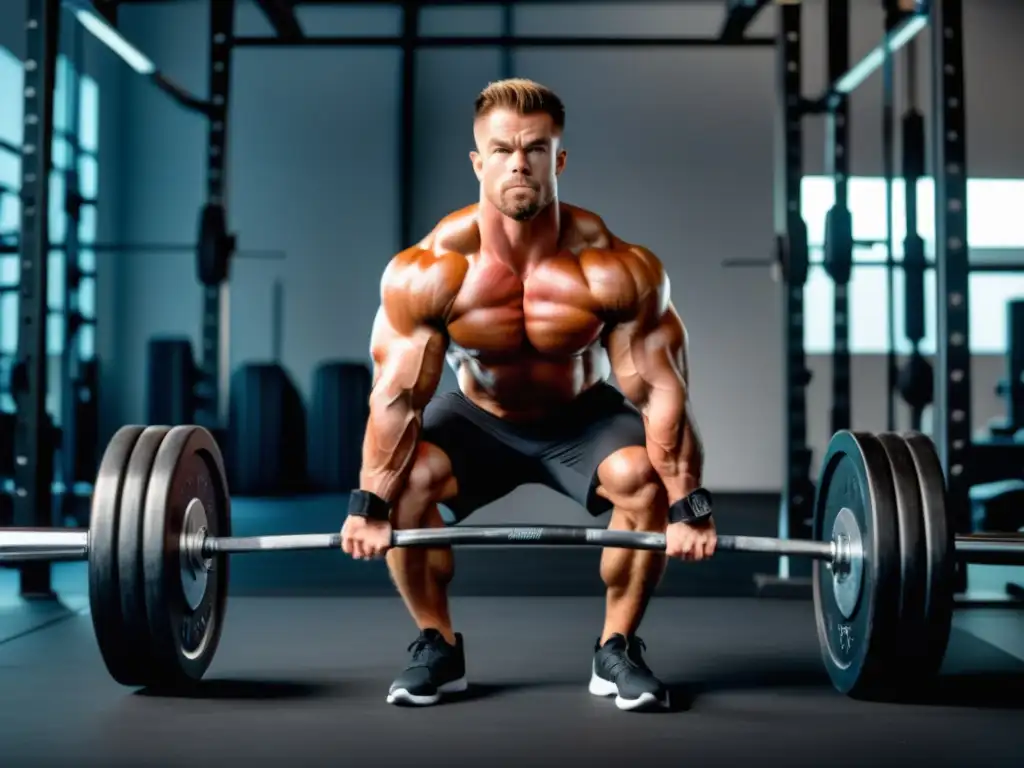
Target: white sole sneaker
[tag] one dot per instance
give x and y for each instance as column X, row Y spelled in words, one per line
column 402, row 696
column 645, row 701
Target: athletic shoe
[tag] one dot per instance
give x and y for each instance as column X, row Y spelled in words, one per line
column 436, row 668
column 619, row 670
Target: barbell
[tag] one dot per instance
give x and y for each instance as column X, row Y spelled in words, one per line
column 160, row 534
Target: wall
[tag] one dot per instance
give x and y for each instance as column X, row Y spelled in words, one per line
column 673, row 148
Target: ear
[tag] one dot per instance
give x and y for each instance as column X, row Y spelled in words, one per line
column 478, row 164
column 560, row 161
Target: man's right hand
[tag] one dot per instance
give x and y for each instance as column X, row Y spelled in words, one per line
column 364, row 538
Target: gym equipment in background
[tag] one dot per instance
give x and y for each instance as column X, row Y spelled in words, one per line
column 338, row 412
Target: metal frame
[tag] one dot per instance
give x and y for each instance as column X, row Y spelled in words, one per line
column 433, row 3
column 893, row 20
column 75, row 388
column 407, row 126
column 894, row 38
column 797, row 490
column 952, row 422
column 33, row 466
column 281, row 15
column 837, row 163
column 518, row 41
column 944, row 18
column 739, row 14
column 215, row 354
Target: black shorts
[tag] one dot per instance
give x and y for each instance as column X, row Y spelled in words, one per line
column 492, row 457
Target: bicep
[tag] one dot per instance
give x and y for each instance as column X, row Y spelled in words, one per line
column 658, row 349
column 649, row 352
column 407, row 363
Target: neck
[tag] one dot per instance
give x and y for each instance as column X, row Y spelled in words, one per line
column 520, row 244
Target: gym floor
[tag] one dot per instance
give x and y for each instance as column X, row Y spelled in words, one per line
column 302, row 681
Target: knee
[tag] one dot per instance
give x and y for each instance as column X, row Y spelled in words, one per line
column 631, row 483
column 426, row 484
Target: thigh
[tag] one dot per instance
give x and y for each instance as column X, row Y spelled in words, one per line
column 484, row 468
column 605, row 423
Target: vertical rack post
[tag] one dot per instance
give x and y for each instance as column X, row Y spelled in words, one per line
column 71, row 315
column 791, row 244
column 407, row 125
column 837, row 165
column 893, row 15
column 215, row 327
column 952, row 428
column 33, row 435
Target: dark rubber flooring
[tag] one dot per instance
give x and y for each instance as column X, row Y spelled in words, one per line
column 301, row 682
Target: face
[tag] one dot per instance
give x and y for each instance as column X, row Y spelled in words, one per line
column 517, row 160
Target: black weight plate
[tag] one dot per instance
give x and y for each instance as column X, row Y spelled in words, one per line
column 856, row 650
column 104, row 579
column 188, row 466
column 913, row 553
column 941, row 555
column 129, row 550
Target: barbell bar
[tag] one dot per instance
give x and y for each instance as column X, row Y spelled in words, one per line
column 160, row 530
column 25, row 544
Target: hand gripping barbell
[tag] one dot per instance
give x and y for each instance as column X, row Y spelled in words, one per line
column 160, row 533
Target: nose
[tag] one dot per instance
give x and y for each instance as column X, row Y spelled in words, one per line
column 519, row 163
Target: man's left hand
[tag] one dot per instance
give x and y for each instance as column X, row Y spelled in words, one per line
column 691, row 541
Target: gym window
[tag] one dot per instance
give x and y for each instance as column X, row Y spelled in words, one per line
column 995, row 234
column 76, row 144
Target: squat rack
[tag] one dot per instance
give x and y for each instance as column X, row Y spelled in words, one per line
column 952, row 395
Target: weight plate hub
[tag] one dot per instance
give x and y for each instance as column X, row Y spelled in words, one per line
column 856, row 493
column 194, row 567
column 848, row 565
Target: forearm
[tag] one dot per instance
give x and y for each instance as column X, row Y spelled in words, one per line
column 389, row 445
column 673, row 443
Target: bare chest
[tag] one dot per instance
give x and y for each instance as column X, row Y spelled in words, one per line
column 550, row 311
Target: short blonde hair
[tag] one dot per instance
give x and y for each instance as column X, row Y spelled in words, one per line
column 526, row 97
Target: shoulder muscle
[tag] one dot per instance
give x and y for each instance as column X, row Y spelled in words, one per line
column 628, row 280
column 419, row 286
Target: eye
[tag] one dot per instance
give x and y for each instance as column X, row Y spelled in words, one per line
column 500, row 151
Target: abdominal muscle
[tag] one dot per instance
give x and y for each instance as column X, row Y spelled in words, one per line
column 527, row 386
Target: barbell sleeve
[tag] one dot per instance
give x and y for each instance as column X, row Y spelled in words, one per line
column 990, row 549
column 24, row 544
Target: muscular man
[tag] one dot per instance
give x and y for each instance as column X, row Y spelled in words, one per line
column 535, row 304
